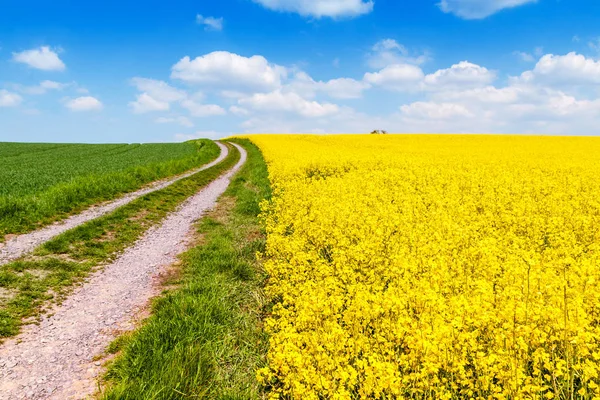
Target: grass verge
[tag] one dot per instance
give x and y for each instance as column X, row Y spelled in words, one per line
column 204, row 337
column 20, row 214
column 27, row 285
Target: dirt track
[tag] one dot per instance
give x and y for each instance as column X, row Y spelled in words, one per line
column 54, row 360
column 23, row 244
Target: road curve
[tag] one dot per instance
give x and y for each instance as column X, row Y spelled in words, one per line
column 20, row 245
column 55, row 359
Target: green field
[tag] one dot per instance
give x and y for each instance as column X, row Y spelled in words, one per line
column 41, row 183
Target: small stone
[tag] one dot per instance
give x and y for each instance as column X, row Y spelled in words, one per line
column 97, row 363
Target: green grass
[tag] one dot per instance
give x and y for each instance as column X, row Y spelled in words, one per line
column 52, row 270
column 204, row 338
column 42, row 183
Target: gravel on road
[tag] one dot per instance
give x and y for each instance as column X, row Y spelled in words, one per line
column 20, row 245
column 55, row 359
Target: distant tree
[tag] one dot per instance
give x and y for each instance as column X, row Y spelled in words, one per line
column 378, row 132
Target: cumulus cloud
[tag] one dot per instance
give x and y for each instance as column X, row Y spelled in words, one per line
column 41, row 58
column 487, row 94
column 225, row 69
column 459, row 99
column 408, row 77
column 158, row 89
column 202, row 110
column 145, row 103
column 388, row 51
column 478, row 9
column 320, row 8
column 156, row 95
column 461, row 75
column 290, row 102
column 85, row 103
column 340, row 88
column 422, row 109
column 462, row 98
column 210, row 23
column 570, row 69
column 396, row 77
column 343, row 88
column 9, row 99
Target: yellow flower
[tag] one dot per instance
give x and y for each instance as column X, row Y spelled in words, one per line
column 432, row 266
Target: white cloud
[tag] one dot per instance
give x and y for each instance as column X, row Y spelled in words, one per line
column 239, row 111
column 288, row 102
column 42, row 58
column 210, row 23
column 396, row 77
column 145, row 103
column 433, row 110
column 86, row 103
column 42, row 88
column 488, row 94
column 343, row 88
column 388, row 52
column 340, row 88
column 229, row 70
column 320, row 8
column 183, row 121
column 159, row 90
column 410, row 78
column 463, row 98
column 202, row 110
column 461, row 75
column 570, row 69
column 9, row 99
column 478, row 9
column 458, row 99
column 524, row 56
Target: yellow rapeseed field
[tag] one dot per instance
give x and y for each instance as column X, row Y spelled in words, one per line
column 447, row 267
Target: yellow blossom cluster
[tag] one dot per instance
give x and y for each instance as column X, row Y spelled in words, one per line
column 433, row 266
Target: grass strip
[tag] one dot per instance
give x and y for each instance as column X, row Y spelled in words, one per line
column 20, row 214
column 204, row 338
column 27, row 285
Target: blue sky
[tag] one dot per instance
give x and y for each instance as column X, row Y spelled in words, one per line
column 169, row 71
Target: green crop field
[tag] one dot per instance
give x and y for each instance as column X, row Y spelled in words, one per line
column 41, row 183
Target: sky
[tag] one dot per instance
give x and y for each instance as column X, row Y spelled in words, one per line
column 158, row 71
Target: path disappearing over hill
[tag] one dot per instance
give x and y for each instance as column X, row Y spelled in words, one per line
column 55, row 359
column 20, row 245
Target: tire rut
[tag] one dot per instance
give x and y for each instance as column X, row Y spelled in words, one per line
column 20, row 245
column 55, row 359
